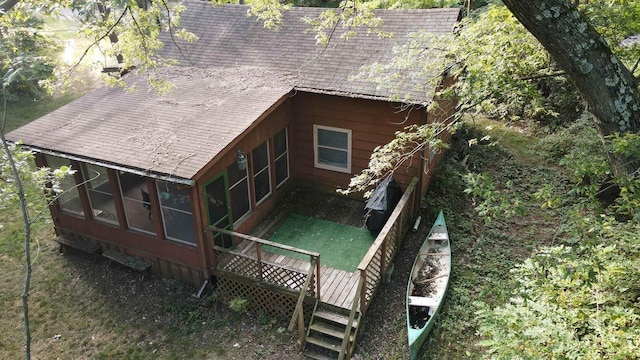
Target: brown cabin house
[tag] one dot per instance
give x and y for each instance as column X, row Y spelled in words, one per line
column 254, row 111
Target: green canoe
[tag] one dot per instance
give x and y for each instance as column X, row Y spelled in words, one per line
column 428, row 283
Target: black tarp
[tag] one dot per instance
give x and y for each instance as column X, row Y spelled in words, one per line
column 381, row 203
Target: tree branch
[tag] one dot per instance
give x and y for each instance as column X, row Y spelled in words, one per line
column 543, row 76
column 142, row 34
column 635, row 66
column 107, row 33
column 27, row 234
column 173, row 40
column 7, row 5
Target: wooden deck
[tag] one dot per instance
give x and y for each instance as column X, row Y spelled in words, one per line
column 338, row 287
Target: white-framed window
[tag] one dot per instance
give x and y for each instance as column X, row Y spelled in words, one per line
column 332, row 148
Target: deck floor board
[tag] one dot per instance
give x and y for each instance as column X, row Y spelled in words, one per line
column 337, row 287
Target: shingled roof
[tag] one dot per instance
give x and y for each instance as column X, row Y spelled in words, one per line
column 229, row 79
column 228, row 37
column 174, row 135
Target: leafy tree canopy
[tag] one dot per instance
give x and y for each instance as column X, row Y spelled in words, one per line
column 125, row 32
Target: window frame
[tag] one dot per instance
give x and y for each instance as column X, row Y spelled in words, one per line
column 72, row 193
column 166, row 208
column 94, row 190
column 277, row 157
column 255, row 174
column 129, row 202
column 348, row 150
column 237, row 186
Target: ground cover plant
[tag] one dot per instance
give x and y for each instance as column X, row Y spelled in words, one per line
column 83, row 309
column 541, row 268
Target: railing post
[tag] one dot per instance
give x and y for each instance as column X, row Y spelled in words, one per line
column 383, row 256
column 301, row 332
column 259, row 259
column 318, row 285
column 363, row 293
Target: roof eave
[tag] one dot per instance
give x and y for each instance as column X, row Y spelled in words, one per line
column 363, row 96
column 147, row 173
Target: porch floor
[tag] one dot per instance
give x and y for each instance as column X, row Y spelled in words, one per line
column 338, row 287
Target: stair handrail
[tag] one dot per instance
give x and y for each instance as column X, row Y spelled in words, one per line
column 360, row 300
column 352, row 316
column 303, row 293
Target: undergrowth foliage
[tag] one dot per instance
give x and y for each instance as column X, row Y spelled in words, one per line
column 36, row 182
column 577, row 299
column 578, row 302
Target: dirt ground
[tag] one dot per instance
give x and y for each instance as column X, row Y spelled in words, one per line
column 160, row 310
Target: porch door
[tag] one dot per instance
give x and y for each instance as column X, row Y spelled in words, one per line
column 218, row 210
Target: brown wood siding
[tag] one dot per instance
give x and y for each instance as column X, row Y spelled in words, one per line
column 131, row 242
column 444, row 112
column 273, row 123
column 372, row 123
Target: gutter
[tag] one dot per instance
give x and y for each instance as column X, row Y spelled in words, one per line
column 167, row 178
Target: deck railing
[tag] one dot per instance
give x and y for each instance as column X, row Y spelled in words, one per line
column 251, row 264
column 376, row 262
column 304, row 281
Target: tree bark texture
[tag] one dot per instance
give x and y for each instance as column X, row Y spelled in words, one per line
column 607, row 86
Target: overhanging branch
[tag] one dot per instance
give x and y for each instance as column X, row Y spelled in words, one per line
column 543, row 76
column 107, row 33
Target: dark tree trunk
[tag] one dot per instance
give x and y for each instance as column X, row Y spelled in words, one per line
column 604, row 82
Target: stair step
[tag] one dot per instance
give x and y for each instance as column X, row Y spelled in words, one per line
column 330, row 330
column 337, row 318
column 326, row 343
column 317, row 356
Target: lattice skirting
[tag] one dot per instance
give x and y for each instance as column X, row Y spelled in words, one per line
column 273, row 303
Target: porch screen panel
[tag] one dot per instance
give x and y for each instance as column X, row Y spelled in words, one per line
column 261, row 172
column 281, row 155
column 239, row 193
column 177, row 216
column 69, row 198
column 135, row 198
column 100, row 193
column 218, row 211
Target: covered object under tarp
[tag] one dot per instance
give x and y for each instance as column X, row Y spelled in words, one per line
column 381, row 203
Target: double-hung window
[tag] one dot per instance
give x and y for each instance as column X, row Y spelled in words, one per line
column 332, row 148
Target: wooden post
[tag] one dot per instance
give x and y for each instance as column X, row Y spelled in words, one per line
column 363, row 292
column 383, row 256
column 318, row 285
column 259, row 259
column 301, row 332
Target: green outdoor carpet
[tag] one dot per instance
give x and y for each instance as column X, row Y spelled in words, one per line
column 340, row 246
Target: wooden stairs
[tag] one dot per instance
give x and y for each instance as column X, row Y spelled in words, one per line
column 328, row 336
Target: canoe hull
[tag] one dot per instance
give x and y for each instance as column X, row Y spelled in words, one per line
column 428, row 284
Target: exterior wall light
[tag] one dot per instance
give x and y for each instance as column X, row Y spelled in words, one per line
column 241, row 160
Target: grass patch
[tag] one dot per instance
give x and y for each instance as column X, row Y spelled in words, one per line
column 25, row 110
column 519, row 141
column 328, row 238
